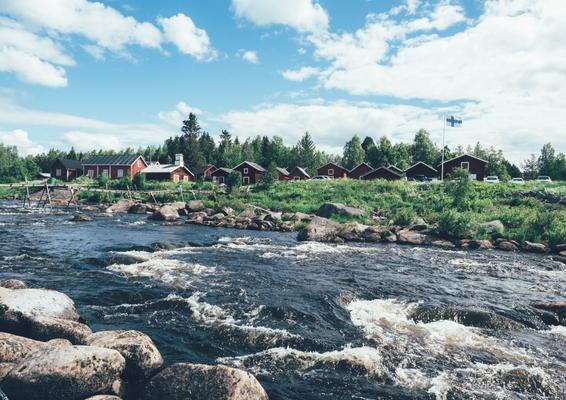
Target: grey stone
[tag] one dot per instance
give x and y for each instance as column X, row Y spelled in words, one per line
column 329, row 209
column 320, row 229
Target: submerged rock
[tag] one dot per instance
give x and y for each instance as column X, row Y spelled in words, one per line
column 194, row 381
column 142, row 357
column 558, row 308
column 329, row 209
column 13, row 284
column 320, row 229
column 82, row 218
column 138, row 208
column 64, row 373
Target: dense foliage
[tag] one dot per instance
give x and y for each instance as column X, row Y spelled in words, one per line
column 199, row 149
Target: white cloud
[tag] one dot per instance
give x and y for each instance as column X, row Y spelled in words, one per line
column 249, row 55
column 182, row 31
column 21, row 140
column 84, row 141
column 299, row 75
column 176, row 116
column 306, row 16
column 32, row 34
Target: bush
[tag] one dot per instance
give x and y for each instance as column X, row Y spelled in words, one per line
column 139, row 181
column 454, row 224
column 233, row 181
column 404, row 216
column 103, row 180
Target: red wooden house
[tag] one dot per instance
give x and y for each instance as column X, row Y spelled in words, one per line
column 115, row 167
column 65, row 169
column 382, row 173
column 250, row 171
column 298, row 174
column 360, row 170
column 333, row 170
column 282, row 174
column 205, row 173
column 169, row 172
column 421, row 169
column 474, row 165
column 220, row 175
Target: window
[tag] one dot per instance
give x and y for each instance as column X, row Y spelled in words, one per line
column 246, row 180
column 245, row 170
column 138, row 163
column 331, row 172
column 465, row 165
column 105, row 172
column 58, row 172
column 120, row 173
column 175, row 178
column 185, row 178
column 221, row 179
column 90, row 173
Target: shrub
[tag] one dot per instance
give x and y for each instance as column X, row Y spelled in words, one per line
column 233, row 181
column 404, row 216
column 452, row 223
column 102, row 180
column 139, row 181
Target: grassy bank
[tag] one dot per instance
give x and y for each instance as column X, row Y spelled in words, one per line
column 455, row 208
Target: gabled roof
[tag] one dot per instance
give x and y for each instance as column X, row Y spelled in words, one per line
column 301, row 170
column 466, row 155
column 164, row 169
column 283, row 171
column 255, row 166
column 124, row 159
column 333, row 164
column 222, row 169
column 382, row 168
column 395, row 168
column 202, row 170
column 422, row 163
column 360, row 165
column 70, row 164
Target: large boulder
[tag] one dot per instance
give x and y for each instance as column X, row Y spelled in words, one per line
column 194, row 206
column 13, row 348
column 354, row 232
column 194, row 381
column 39, row 302
column 481, row 244
column 13, row 284
column 507, row 245
column 406, row 236
column 248, row 212
column 329, row 209
column 321, row 230
column 138, row 208
column 166, row 213
column 535, row 247
column 558, row 308
column 121, row 206
column 142, row 357
column 178, row 205
column 64, row 373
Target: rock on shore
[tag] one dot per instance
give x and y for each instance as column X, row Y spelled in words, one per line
column 195, row 381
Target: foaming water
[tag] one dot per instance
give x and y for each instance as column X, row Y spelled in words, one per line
column 311, row 320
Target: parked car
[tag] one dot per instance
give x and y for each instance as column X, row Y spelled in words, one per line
column 544, row 178
column 321, row 177
column 518, row 181
column 492, row 179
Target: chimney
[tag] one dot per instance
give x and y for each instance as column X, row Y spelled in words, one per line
column 179, row 160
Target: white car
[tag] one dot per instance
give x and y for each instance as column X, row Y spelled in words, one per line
column 320, row 177
column 544, row 178
column 492, row 179
column 518, row 181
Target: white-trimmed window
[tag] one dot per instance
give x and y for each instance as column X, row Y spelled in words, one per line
column 465, row 165
column 105, row 172
column 245, row 170
column 331, row 172
column 185, row 178
column 58, row 172
column 175, row 178
column 120, row 173
column 90, row 173
column 139, row 163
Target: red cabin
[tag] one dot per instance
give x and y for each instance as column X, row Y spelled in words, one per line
column 115, row 167
column 474, row 165
column 333, row 170
column 220, row 175
column 298, row 174
column 250, row 171
column 282, row 174
column 360, row 170
column 382, row 173
column 421, row 169
column 65, row 169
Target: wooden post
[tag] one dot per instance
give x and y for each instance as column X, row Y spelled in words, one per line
column 40, row 197
column 48, row 196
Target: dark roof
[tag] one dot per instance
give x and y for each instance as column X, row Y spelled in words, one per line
column 333, row 164
column 359, row 165
column 283, row 171
column 124, row 159
column 222, row 169
column 251, row 164
column 201, row 170
column 388, row 169
column 395, row 168
column 70, row 164
column 465, row 155
column 423, row 163
column 301, row 170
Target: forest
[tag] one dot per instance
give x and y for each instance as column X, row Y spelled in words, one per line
column 199, row 149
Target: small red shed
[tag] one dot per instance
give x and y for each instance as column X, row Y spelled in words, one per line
column 474, row 165
column 382, row 173
column 65, row 169
column 220, row 175
column 282, row 174
column 333, row 170
column 250, row 171
column 360, row 170
column 298, row 174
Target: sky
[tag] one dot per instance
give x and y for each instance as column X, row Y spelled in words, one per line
column 119, row 73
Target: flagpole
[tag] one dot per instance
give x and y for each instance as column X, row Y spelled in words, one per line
column 443, row 146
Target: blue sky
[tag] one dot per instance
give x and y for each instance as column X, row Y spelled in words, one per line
column 124, row 73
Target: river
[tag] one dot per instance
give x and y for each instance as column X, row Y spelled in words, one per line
column 311, row 320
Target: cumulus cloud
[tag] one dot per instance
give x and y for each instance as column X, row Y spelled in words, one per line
column 249, row 55
column 305, row 16
column 176, row 116
column 84, row 141
column 182, row 31
column 299, row 75
column 21, row 140
column 32, row 34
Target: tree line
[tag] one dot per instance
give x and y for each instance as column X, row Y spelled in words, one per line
column 199, row 149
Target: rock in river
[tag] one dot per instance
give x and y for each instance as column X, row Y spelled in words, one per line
column 321, row 230
column 121, row 206
column 195, row 205
column 64, row 373
column 194, row 381
column 142, row 357
column 166, row 213
column 329, row 209
column 39, row 302
column 13, row 284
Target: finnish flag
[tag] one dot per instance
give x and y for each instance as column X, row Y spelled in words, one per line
column 453, row 122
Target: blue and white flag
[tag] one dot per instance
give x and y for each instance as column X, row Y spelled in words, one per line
column 453, row 122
